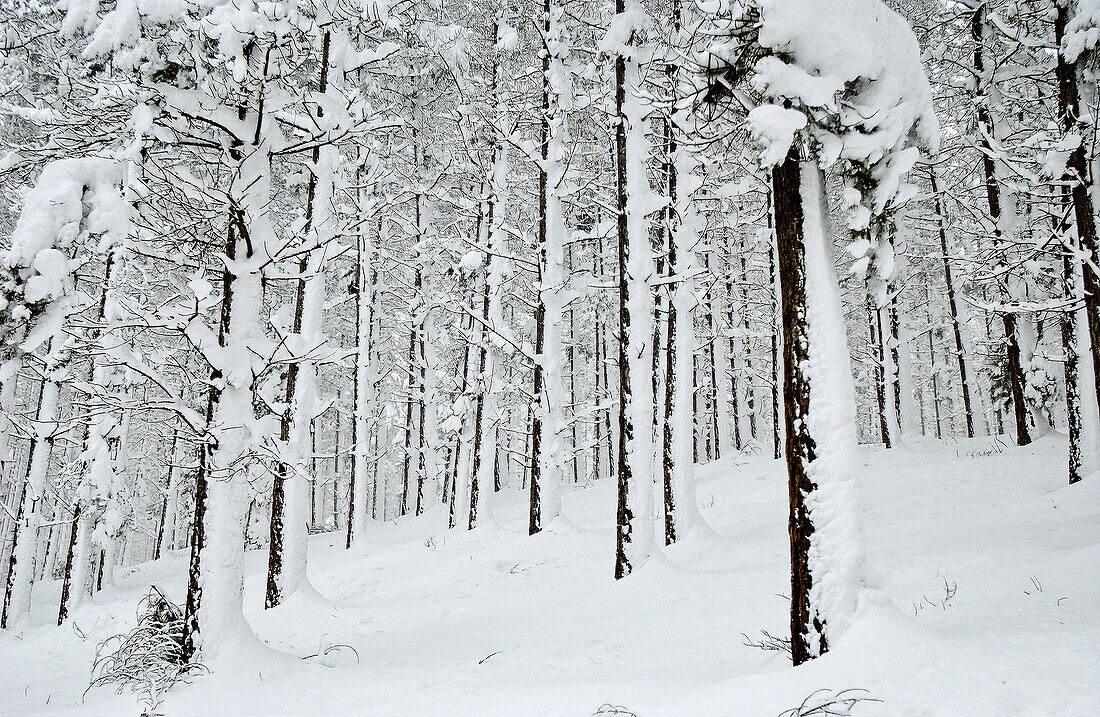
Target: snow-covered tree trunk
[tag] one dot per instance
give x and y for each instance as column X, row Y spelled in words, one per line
column 169, row 486
column 214, row 617
column 901, row 350
column 874, row 322
column 747, row 344
column 290, row 499
column 1002, row 213
column 497, row 219
column 888, row 317
column 364, row 393
column 820, row 413
column 678, row 468
column 778, row 434
column 78, row 562
column 549, row 449
column 952, row 305
column 17, row 597
column 1075, row 123
column 635, row 201
column 1089, row 426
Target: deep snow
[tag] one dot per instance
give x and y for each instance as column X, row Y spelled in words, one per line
column 493, row 622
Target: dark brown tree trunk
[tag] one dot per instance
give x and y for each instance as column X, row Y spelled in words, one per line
column 456, row 452
column 750, row 393
column 421, row 440
column 415, row 330
column 63, row 607
column 406, row 465
column 164, row 500
column 777, row 451
column 198, row 532
column 535, row 518
column 656, row 382
column 667, row 445
column 624, row 518
column 479, row 406
column 712, row 445
column 66, row 578
column 1016, row 380
column 1077, row 172
column 935, row 384
column 993, row 197
column 874, row 322
column 273, row 594
column 731, row 346
column 571, row 361
column 603, row 418
column 951, row 304
column 1073, row 387
column 800, row 446
column 355, row 388
column 895, row 358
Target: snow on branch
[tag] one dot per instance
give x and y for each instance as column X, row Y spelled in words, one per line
column 844, row 77
column 72, row 198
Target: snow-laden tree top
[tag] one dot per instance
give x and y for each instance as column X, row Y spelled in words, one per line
column 72, row 197
column 846, row 72
column 1083, row 30
column 846, row 76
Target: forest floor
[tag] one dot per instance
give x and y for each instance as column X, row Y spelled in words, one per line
column 987, row 599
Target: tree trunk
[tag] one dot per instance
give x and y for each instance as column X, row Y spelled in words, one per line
column 874, row 322
column 1077, row 173
column 993, row 197
column 820, row 411
column 17, row 596
column 164, row 502
column 777, row 326
column 548, row 444
column 952, row 307
column 634, row 529
column 800, row 448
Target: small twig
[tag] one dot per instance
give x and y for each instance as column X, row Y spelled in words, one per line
column 482, row 660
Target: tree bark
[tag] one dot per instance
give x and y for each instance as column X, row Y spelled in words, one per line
column 1077, row 173
column 800, row 446
column 993, row 197
column 952, row 307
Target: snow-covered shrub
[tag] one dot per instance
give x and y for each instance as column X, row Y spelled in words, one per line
column 148, row 660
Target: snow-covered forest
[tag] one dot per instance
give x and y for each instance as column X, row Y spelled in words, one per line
column 549, row 357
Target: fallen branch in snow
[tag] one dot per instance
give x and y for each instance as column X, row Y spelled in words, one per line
column 331, row 648
column 823, row 703
column 607, row 709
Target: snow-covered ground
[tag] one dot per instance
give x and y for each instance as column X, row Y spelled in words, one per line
column 987, row 566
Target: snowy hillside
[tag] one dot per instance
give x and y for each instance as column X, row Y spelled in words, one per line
column 985, row 560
